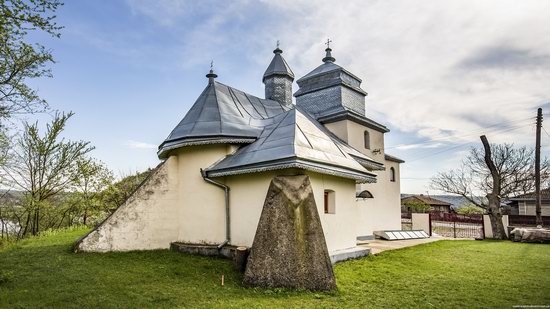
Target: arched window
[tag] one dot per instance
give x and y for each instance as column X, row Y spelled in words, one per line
column 367, row 140
column 330, row 202
column 364, row 194
column 392, row 174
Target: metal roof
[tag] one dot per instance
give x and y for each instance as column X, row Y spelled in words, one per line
column 544, row 194
column 278, row 66
column 340, row 113
column 426, row 199
column 327, row 67
column 293, row 140
column 222, row 114
column 393, row 158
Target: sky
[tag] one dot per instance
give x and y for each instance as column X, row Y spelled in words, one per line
column 438, row 73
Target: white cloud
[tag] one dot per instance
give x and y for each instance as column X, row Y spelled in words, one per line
column 417, row 59
column 432, row 68
column 418, row 146
column 139, row 145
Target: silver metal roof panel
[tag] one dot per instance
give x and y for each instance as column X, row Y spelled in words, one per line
column 222, row 111
column 278, row 66
column 294, row 140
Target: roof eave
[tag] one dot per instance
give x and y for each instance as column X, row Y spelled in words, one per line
column 294, row 163
column 349, row 115
column 393, row 159
column 373, row 165
column 279, row 73
column 167, row 146
column 305, row 90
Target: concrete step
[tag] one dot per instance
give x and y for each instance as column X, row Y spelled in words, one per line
column 348, row 254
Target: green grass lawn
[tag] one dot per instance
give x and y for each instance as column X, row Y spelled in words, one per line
column 43, row 272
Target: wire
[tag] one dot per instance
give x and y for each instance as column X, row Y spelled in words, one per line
column 464, row 144
column 545, row 130
column 484, row 130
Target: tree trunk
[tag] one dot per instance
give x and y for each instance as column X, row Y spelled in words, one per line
column 496, row 217
column 493, row 209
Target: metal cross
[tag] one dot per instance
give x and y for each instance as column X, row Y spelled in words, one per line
column 328, row 43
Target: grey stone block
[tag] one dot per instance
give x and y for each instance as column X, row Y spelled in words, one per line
column 289, row 249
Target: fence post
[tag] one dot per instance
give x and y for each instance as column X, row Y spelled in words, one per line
column 430, row 220
column 454, row 228
column 482, row 226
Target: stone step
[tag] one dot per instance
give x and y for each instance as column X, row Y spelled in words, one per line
column 226, row 251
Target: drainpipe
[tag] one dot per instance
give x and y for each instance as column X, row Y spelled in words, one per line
column 227, row 217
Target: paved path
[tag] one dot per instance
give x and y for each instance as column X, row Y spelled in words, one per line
column 378, row 245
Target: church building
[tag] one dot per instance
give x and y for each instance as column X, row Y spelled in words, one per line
column 218, row 162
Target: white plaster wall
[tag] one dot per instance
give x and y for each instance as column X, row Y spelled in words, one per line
column 340, row 227
column 339, row 128
column 421, row 222
column 248, row 193
column 489, row 229
column 383, row 212
column 202, row 215
column 356, row 136
column 174, row 204
column 147, row 220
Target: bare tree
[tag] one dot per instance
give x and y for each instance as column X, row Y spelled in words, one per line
column 496, row 171
column 43, row 166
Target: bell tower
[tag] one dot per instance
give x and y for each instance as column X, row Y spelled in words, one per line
column 278, row 79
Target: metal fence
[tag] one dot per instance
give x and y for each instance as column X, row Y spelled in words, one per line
column 524, row 220
column 455, row 225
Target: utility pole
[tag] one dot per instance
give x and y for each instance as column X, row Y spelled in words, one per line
column 537, row 168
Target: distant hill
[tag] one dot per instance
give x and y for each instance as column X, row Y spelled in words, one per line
column 10, row 196
column 456, row 201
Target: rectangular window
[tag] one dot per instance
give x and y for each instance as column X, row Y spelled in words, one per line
column 367, row 139
column 329, row 202
column 326, row 202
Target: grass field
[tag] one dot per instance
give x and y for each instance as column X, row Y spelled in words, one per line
column 43, row 272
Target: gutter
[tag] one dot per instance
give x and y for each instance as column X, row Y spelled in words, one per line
column 227, row 214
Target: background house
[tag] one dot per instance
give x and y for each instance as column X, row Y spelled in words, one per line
column 525, row 204
column 435, row 204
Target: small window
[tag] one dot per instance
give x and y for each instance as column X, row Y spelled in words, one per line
column 367, row 140
column 364, row 194
column 329, row 202
column 392, row 174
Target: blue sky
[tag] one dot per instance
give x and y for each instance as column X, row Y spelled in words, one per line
column 438, row 73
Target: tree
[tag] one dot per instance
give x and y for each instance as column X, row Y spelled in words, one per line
column 416, row 206
column 92, row 178
column 470, row 210
column 4, row 146
column 42, row 167
column 116, row 194
column 21, row 60
column 497, row 171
